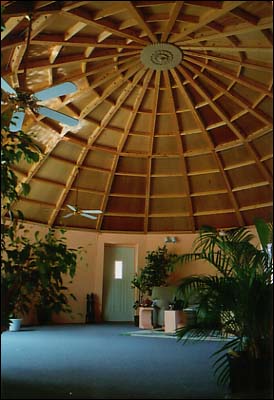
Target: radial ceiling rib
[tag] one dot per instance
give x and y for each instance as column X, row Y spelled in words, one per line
column 261, row 167
column 79, row 41
column 180, row 150
column 241, row 29
column 86, row 17
column 212, row 149
column 226, row 60
column 232, row 95
column 113, row 86
column 91, row 140
column 174, row 12
column 128, row 125
column 251, row 84
column 140, row 19
column 151, row 132
column 210, row 16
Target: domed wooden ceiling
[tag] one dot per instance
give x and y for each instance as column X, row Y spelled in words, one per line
column 166, row 142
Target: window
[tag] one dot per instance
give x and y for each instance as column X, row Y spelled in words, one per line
column 118, row 270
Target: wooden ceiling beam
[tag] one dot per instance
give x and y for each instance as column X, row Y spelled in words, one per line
column 151, row 130
column 107, row 92
column 247, row 82
column 78, row 41
column 236, row 30
column 211, row 145
column 164, row 17
column 137, row 15
column 229, row 49
column 10, row 24
column 245, row 16
column 87, row 17
column 223, row 116
column 174, row 12
column 110, row 75
column 75, row 58
column 259, row 66
column 80, row 161
column 129, row 122
column 212, row 15
column 180, row 146
column 236, row 98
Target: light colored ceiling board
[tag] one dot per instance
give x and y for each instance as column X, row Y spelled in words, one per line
column 158, row 148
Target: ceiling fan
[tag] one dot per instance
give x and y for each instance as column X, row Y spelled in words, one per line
column 84, row 213
column 24, row 99
column 79, row 211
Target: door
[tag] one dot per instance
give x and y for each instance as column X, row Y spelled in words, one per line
column 118, row 296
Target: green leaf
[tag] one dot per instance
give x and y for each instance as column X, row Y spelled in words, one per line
column 25, row 188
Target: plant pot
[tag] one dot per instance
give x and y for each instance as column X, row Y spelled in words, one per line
column 15, row 324
column 250, row 375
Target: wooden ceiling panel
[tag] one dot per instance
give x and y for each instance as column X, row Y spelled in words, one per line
column 212, row 203
column 122, row 223
column 172, row 185
column 132, row 165
column 253, row 199
column 124, row 204
column 159, row 147
column 219, row 221
column 206, row 183
column 170, row 224
column 129, row 185
column 164, row 145
column 165, row 206
column 244, row 176
column 165, row 166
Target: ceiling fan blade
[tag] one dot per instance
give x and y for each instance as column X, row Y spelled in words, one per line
column 16, row 121
column 92, row 211
column 58, row 116
column 6, row 87
column 68, row 215
column 88, row 216
column 56, row 91
column 72, row 207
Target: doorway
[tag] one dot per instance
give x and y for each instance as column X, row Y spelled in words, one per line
column 118, row 296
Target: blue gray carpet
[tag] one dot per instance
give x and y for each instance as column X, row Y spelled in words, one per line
column 99, row 362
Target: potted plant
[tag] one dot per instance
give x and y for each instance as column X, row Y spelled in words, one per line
column 32, row 272
column 16, row 294
column 237, row 301
column 159, row 264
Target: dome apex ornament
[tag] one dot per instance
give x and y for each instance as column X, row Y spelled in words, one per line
column 161, row 56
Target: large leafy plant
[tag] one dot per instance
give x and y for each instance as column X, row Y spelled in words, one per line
column 238, row 299
column 33, row 271
column 159, row 264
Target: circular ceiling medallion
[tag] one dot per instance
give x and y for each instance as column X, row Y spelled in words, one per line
column 161, row 56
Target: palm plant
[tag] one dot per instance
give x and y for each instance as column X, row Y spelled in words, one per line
column 237, row 301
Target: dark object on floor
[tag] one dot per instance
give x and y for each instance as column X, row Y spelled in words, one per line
column 250, row 375
column 90, row 315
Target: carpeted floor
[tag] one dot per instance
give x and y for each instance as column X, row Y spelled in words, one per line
column 100, row 362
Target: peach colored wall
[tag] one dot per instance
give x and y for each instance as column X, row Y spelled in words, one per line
column 89, row 273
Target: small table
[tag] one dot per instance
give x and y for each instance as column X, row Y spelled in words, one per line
column 174, row 319
column 145, row 317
